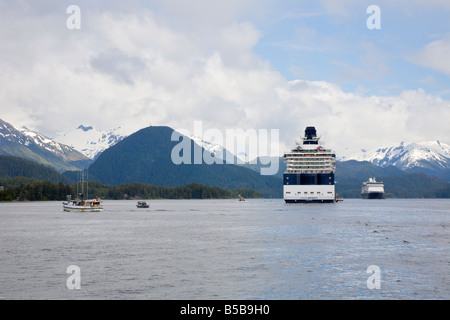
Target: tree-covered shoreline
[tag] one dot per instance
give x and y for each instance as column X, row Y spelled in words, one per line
column 27, row 189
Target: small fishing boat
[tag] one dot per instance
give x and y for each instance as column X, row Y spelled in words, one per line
column 80, row 204
column 142, row 204
column 90, row 205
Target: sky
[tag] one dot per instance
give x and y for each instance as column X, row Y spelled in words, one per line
column 247, row 64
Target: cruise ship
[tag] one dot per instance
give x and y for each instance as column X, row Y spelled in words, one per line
column 372, row 189
column 309, row 176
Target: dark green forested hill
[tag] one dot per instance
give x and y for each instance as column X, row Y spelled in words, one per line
column 11, row 167
column 145, row 157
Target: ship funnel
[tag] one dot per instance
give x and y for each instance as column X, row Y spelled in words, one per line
column 310, row 133
column 310, row 136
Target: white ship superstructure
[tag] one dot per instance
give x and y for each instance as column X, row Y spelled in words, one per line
column 309, row 176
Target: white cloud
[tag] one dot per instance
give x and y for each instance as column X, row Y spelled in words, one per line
column 349, row 122
column 136, row 69
column 435, row 55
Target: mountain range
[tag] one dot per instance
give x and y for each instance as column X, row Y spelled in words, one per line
column 431, row 157
column 92, row 142
column 115, row 158
column 32, row 145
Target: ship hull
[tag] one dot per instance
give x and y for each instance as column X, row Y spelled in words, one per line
column 309, row 193
column 373, row 195
column 77, row 207
column 309, row 200
column 81, row 209
column 72, row 209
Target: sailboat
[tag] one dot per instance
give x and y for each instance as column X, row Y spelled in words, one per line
column 81, row 204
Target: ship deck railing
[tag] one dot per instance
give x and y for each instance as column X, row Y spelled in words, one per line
column 309, row 171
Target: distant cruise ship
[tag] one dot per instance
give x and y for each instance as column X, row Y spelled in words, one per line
column 309, row 176
column 372, row 189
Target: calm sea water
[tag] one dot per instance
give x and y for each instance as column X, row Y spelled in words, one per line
column 227, row 249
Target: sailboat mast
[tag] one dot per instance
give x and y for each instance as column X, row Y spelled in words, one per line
column 82, row 183
column 87, row 185
column 78, row 183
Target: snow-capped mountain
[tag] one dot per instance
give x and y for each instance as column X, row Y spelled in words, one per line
column 90, row 141
column 430, row 155
column 215, row 149
column 32, row 145
column 221, row 152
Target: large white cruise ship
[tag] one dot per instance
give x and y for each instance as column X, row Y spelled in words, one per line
column 372, row 189
column 309, row 176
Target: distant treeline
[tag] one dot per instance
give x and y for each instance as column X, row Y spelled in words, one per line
column 147, row 191
column 39, row 190
column 27, row 189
